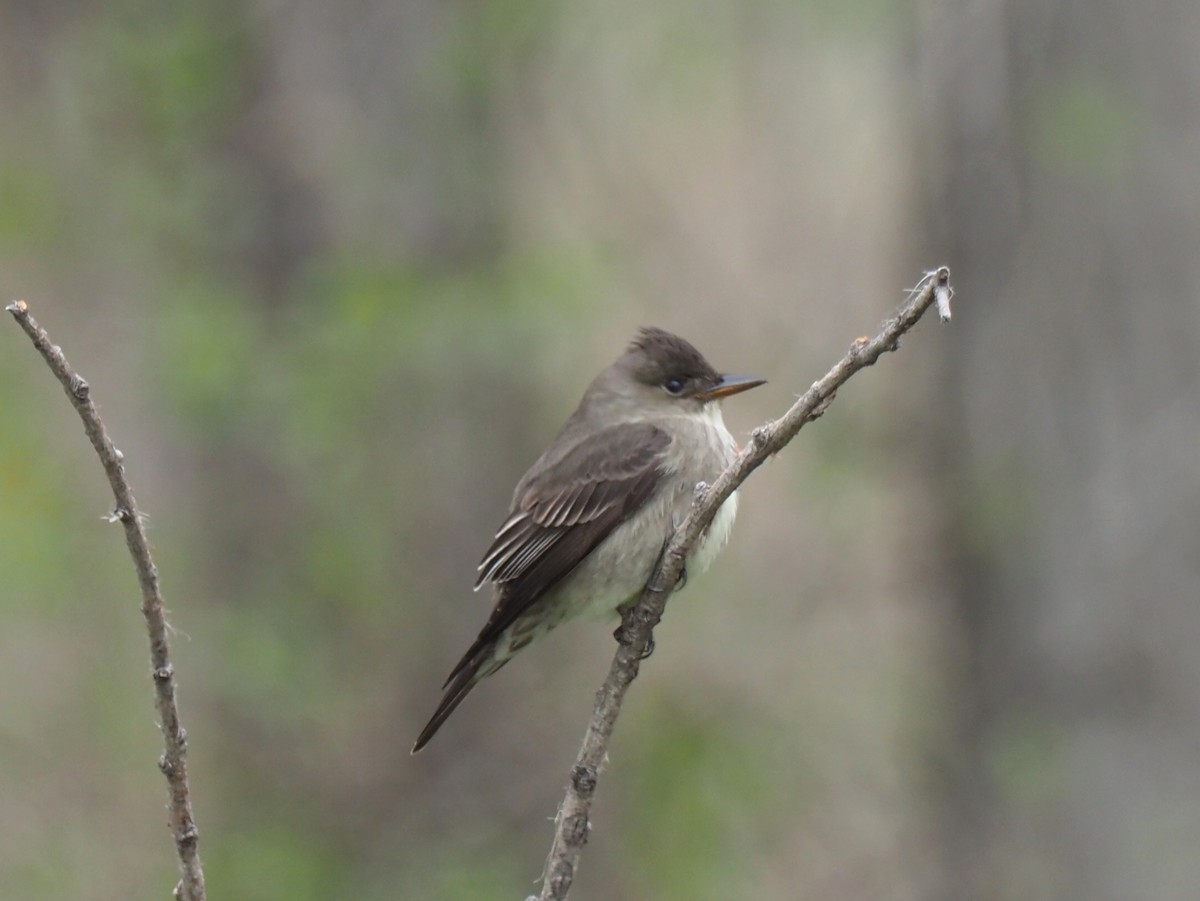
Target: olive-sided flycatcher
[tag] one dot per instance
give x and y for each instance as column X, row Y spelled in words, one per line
column 590, row 518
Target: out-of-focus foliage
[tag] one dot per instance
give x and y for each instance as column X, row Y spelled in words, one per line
column 336, row 273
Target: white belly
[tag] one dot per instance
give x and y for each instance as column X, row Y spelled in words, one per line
column 714, row 538
column 614, row 581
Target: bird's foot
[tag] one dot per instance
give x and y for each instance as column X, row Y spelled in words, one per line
column 624, row 635
column 680, row 583
column 649, row 649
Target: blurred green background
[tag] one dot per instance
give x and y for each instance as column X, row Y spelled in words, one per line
column 336, row 273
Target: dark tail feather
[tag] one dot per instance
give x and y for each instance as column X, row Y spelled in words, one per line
column 460, row 683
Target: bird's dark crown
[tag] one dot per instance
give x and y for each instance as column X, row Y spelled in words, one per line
column 664, row 356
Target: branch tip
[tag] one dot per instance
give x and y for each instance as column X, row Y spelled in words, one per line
column 943, row 294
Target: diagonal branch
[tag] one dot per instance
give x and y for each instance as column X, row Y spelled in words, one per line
column 173, row 761
column 635, row 635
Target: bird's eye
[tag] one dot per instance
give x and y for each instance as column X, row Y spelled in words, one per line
column 674, row 386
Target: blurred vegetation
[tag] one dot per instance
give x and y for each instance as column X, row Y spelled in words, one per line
column 337, row 273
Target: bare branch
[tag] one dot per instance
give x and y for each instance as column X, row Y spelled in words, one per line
column 635, row 635
column 173, row 760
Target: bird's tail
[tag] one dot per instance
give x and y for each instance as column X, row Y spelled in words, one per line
column 475, row 665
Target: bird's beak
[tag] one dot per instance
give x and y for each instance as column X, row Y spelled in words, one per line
column 731, row 384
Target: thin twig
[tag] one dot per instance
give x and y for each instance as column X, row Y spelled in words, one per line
column 173, row 761
column 572, row 823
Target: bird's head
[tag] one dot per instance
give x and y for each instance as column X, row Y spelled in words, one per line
column 665, row 372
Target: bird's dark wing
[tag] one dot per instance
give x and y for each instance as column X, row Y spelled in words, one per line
column 558, row 518
column 562, row 513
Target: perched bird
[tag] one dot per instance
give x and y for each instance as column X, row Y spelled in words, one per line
column 590, row 518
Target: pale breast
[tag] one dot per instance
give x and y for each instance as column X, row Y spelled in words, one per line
column 714, row 537
column 718, row 451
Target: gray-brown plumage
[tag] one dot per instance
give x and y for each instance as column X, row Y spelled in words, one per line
column 590, row 517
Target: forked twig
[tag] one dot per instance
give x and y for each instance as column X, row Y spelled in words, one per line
column 572, row 823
